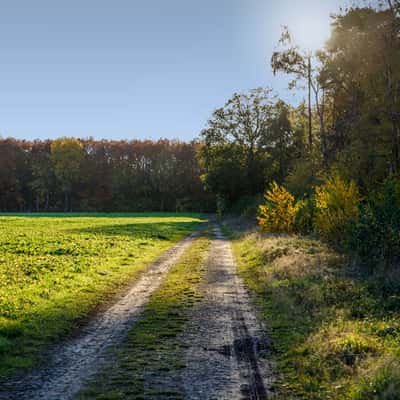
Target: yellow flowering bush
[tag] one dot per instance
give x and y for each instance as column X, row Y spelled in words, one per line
column 336, row 205
column 278, row 214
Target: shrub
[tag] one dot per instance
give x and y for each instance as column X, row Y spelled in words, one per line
column 247, row 206
column 301, row 180
column 221, row 205
column 375, row 235
column 278, row 214
column 337, row 206
column 305, row 215
column 5, row 345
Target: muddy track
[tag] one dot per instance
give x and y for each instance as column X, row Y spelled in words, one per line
column 228, row 352
column 78, row 358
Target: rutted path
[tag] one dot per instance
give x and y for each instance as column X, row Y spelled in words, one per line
column 225, row 351
column 224, row 347
column 228, row 354
column 72, row 362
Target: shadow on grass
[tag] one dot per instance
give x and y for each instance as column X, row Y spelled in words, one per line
column 50, row 306
column 102, row 215
column 144, row 229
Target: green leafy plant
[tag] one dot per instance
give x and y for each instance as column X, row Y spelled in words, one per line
column 375, row 235
column 336, row 207
column 278, row 214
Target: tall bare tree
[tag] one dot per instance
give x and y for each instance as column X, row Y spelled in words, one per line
column 292, row 60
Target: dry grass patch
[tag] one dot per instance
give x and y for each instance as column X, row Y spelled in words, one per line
column 331, row 324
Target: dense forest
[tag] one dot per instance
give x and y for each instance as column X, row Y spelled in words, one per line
column 87, row 175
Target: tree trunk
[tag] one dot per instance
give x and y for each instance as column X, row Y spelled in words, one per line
column 66, row 206
column 310, row 138
column 395, row 149
column 392, row 98
column 320, row 110
column 46, row 206
column 250, row 168
column 281, row 171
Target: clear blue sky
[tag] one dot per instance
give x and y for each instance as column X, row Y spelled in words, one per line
column 124, row 69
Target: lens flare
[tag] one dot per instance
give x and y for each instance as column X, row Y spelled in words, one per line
column 309, row 33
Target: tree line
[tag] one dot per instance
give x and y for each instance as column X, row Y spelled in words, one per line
column 349, row 125
column 70, row 174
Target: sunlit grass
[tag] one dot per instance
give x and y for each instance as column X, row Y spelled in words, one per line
column 55, row 269
column 151, row 356
column 335, row 331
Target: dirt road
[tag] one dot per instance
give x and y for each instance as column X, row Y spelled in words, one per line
column 228, row 353
column 72, row 362
column 225, row 349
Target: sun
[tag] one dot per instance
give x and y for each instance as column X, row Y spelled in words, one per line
column 309, row 32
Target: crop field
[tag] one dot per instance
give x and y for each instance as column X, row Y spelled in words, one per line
column 55, row 269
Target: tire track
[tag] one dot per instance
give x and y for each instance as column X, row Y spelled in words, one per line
column 77, row 359
column 227, row 358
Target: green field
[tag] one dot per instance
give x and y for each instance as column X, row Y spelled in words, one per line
column 55, row 269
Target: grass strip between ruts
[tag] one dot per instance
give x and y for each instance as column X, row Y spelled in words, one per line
column 148, row 362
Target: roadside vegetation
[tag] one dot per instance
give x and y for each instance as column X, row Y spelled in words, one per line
column 322, row 177
column 55, row 270
column 335, row 329
column 147, row 363
column 324, row 265
column 366, row 228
